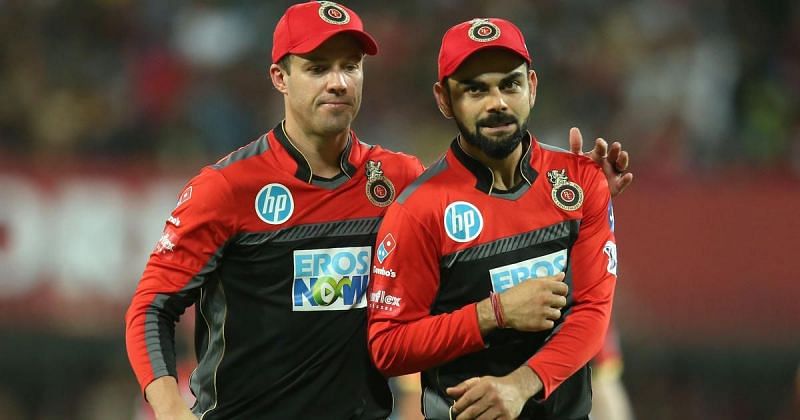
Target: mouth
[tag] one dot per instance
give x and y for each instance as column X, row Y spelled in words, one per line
column 336, row 104
column 496, row 128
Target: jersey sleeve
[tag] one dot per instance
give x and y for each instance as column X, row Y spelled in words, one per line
column 188, row 250
column 403, row 336
column 593, row 266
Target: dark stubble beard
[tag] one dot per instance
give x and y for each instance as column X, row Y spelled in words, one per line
column 495, row 149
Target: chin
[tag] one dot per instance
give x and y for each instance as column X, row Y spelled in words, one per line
column 335, row 125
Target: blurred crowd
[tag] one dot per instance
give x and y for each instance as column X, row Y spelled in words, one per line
column 690, row 86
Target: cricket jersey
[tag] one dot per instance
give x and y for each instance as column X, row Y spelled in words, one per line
column 277, row 263
column 451, row 239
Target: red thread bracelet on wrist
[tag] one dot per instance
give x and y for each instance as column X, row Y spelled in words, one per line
column 498, row 310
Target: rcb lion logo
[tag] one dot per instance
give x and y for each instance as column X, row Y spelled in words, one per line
column 333, row 13
column 380, row 190
column 566, row 194
column 482, row 30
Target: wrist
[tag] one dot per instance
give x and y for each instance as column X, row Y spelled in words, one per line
column 486, row 318
column 529, row 382
column 497, row 308
column 164, row 396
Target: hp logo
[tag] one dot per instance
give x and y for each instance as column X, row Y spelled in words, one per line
column 462, row 221
column 274, row 204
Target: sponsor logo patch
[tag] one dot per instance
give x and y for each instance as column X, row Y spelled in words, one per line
column 483, row 30
column 611, row 219
column 385, row 272
column 167, row 241
column 333, row 279
column 333, row 13
column 379, row 299
column 185, row 196
column 274, row 204
column 385, row 247
column 566, row 194
column 462, row 221
column 610, row 249
column 508, row 276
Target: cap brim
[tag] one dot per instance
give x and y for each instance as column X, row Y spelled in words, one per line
column 456, row 63
column 368, row 44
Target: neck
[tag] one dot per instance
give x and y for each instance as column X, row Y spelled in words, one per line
column 505, row 171
column 322, row 152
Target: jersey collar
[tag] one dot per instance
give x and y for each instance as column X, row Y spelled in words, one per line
column 484, row 177
column 303, row 171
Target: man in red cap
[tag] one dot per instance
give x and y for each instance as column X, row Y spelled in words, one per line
column 454, row 296
column 273, row 244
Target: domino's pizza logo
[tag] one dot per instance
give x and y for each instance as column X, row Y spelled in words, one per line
column 385, row 248
column 274, row 204
column 462, row 221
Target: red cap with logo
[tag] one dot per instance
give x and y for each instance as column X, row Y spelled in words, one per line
column 466, row 38
column 305, row 26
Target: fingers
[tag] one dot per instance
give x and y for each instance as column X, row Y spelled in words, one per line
column 575, row 141
column 599, row 152
column 556, row 301
column 459, row 390
column 613, row 151
column 558, row 276
column 560, row 289
column 622, row 162
column 618, row 158
column 552, row 314
column 478, row 410
column 620, row 183
column 469, row 398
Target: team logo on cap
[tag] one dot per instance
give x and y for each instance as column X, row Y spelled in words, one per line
column 482, row 30
column 566, row 194
column 333, row 13
column 380, row 190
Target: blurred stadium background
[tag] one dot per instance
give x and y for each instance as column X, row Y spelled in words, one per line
column 108, row 106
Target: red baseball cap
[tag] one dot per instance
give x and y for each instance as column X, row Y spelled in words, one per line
column 466, row 38
column 305, row 26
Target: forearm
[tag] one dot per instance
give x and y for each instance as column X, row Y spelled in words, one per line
column 400, row 347
column 165, row 398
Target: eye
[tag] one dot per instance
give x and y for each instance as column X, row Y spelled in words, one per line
column 474, row 89
column 316, row 69
column 512, row 85
column 352, row 67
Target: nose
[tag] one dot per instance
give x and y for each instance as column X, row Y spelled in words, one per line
column 337, row 82
column 496, row 101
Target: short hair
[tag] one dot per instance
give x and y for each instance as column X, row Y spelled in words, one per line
column 284, row 63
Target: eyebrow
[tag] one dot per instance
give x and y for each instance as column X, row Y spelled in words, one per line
column 469, row 83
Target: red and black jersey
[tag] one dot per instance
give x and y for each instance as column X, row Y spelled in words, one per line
column 277, row 261
column 451, row 238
